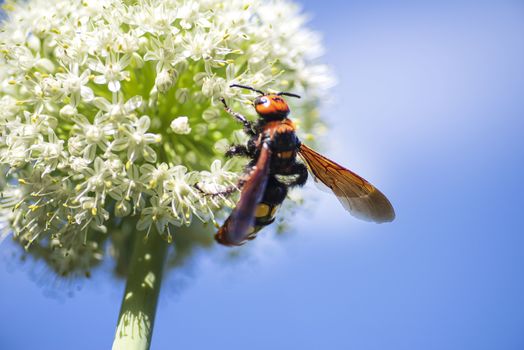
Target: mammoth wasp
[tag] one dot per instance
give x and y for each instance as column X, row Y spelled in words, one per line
column 272, row 149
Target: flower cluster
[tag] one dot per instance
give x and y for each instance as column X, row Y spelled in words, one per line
column 109, row 109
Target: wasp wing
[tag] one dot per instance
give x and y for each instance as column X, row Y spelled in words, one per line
column 358, row 196
column 236, row 228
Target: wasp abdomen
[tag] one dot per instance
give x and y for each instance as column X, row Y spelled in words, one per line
column 267, row 208
column 264, row 215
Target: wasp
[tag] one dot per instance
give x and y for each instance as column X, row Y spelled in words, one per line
column 273, row 169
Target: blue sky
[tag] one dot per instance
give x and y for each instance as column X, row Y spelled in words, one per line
column 430, row 108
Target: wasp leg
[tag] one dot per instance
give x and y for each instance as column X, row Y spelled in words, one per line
column 239, row 150
column 225, row 192
column 248, row 126
column 248, row 151
column 299, row 170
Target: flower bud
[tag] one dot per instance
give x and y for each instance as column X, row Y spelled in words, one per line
column 163, row 81
column 180, row 125
column 68, row 111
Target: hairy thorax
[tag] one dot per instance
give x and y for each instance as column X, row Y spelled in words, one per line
column 284, row 144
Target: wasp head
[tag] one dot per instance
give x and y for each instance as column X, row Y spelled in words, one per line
column 271, row 107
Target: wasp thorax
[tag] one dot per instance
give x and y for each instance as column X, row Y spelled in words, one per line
column 271, row 107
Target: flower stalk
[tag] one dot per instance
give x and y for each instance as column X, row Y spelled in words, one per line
column 137, row 313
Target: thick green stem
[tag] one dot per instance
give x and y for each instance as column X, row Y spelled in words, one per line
column 137, row 313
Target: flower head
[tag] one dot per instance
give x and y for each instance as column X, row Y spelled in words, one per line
column 109, row 111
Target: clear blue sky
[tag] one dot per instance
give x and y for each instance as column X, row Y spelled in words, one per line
column 429, row 107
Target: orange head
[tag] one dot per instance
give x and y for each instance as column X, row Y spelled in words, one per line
column 270, row 106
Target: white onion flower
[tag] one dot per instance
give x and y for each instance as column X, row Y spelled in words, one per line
column 110, row 112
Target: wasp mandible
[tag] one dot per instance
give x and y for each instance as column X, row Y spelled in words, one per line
column 273, row 148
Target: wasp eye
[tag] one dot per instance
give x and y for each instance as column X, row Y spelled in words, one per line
column 265, row 101
column 262, row 101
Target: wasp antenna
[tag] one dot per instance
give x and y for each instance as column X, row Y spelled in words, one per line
column 288, row 94
column 247, row 87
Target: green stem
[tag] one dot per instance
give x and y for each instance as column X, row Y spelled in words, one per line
column 137, row 313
